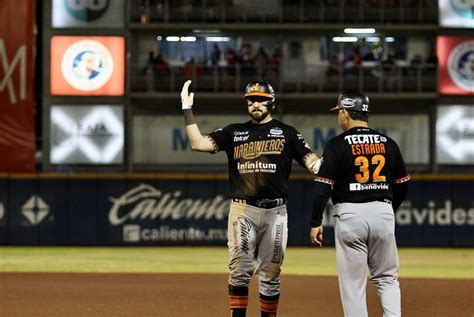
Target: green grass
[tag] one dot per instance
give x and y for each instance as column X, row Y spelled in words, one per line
column 429, row 263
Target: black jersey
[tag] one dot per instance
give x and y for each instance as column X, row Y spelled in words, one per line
column 362, row 165
column 260, row 157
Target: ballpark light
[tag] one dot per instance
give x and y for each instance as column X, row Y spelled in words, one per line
column 372, row 39
column 188, row 39
column 359, row 31
column 390, row 39
column 344, row 39
column 217, row 39
column 172, row 38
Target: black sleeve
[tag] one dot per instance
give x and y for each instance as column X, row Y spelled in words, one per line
column 323, row 183
column 321, row 194
column 400, row 174
column 399, row 194
column 401, row 179
column 329, row 166
column 219, row 138
column 299, row 146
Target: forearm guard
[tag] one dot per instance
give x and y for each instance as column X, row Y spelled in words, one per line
column 188, row 117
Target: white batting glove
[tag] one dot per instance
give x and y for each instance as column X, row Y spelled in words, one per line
column 315, row 166
column 186, row 97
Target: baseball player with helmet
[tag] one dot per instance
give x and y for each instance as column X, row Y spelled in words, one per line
column 260, row 153
column 364, row 173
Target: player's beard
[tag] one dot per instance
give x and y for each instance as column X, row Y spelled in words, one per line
column 258, row 115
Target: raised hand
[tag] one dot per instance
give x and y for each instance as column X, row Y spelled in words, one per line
column 186, row 97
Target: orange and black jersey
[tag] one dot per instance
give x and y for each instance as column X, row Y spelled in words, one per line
column 361, row 165
column 260, row 157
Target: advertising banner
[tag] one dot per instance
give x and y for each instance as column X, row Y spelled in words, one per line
column 456, row 13
column 193, row 211
column 161, row 139
column 87, row 65
column 456, row 65
column 455, row 134
column 17, row 125
column 88, row 13
column 86, row 134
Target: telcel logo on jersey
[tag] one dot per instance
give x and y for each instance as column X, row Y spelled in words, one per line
column 241, row 136
column 359, row 186
column 461, row 65
column 87, row 65
column 86, row 10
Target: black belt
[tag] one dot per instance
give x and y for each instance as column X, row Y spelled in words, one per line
column 383, row 200
column 262, row 203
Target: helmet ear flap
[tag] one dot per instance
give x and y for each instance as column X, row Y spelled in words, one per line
column 271, row 105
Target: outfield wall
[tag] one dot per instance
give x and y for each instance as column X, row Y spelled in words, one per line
column 191, row 209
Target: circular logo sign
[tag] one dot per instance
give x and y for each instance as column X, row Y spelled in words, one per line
column 87, row 10
column 87, row 65
column 461, row 65
column 463, row 8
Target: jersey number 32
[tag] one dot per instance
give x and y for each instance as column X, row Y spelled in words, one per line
column 377, row 161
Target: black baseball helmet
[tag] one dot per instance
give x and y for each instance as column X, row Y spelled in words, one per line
column 352, row 100
column 261, row 90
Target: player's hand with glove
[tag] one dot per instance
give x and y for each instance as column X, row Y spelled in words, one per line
column 197, row 141
column 314, row 166
column 316, row 235
column 186, row 97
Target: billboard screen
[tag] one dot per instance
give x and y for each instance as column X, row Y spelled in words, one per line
column 456, row 13
column 86, row 134
column 456, row 65
column 97, row 13
column 455, row 134
column 87, row 65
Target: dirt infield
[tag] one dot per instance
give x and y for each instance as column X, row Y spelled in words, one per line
column 196, row 295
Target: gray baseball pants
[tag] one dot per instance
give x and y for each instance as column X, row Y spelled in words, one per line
column 365, row 237
column 257, row 240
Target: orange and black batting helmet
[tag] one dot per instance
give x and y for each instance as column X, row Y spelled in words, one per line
column 261, row 90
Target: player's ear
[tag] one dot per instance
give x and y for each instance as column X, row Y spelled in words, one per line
column 346, row 114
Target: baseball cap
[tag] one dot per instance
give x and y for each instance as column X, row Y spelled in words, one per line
column 353, row 101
